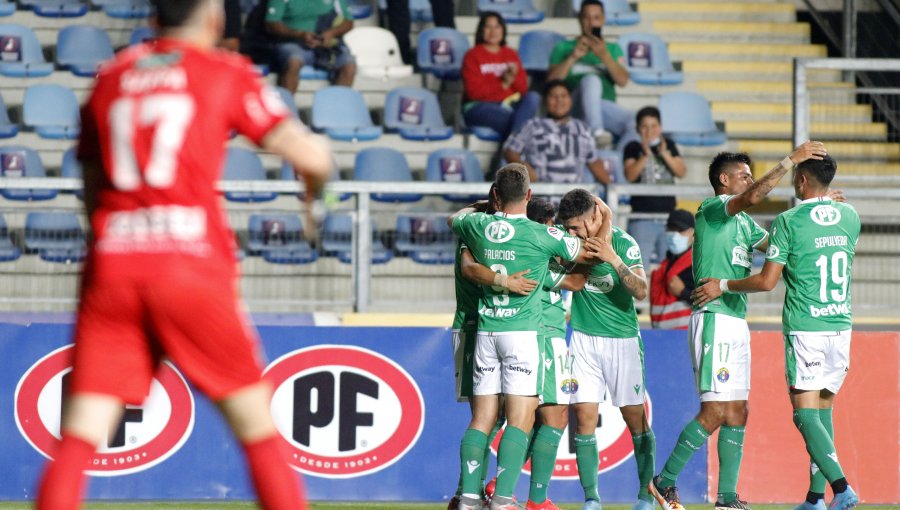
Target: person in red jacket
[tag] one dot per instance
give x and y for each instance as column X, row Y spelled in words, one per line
column 672, row 282
column 496, row 87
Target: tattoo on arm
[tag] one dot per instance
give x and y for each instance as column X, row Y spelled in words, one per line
column 759, row 189
column 636, row 284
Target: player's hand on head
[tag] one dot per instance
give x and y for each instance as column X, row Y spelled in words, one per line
column 707, row 291
column 600, row 249
column 836, row 195
column 808, row 150
column 518, row 284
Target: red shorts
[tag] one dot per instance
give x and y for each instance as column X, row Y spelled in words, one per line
column 124, row 329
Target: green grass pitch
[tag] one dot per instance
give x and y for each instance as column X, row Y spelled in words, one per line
column 359, row 506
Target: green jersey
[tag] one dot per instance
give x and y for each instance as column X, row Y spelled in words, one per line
column 588, row 64
column 815, row 241
column 305, row 15
column 467, row 294
column 509, row 244
column 605, row 307
column 723, row 248
column 554, row 325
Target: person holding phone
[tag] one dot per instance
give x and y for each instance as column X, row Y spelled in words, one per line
column 591, row 68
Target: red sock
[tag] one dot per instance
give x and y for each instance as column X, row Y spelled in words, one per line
column 63, row 482
column 277, row 487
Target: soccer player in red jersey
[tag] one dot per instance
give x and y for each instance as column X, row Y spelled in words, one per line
column 160, row 278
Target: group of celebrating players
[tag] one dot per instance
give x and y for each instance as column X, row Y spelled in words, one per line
column 516, row 253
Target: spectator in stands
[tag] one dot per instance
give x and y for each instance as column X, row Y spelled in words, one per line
column 494, row 80
column 310, row 33
column 672, row 282
column 398, row 21
column 652, row 160
column 592, row 68
column 556, row 148
column 231, row 38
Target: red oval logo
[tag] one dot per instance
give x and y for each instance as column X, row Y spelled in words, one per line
column 344, row 411
column 147, row 435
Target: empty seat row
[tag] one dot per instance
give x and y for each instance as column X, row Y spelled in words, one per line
column 79, row 48
column 51, row 111
column 127, row 9
column 54, row 236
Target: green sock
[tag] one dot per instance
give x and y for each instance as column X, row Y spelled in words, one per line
column 819, row 444
column 487, row 449
column 543, row 460
column 691, row 439
column 588, row 462
column 471, row 456
column 817, row 481
column 510, row 458
column 731, row 451
column 531, row 437
column 645, row 456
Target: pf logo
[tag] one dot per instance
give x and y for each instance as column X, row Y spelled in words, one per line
column 344, row 411
column 146, row 436
column 614, row 444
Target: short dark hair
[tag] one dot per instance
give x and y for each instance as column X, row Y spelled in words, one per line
column 511, row 184
column 574, row 204
column 552, row 84
column 540, row 210
column 479, row 30
column 722, row 161
column 586, row 3
column 648, row 111
column 820, row 170
column 175, row 13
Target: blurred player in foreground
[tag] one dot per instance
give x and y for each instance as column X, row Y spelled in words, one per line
column 160, row 278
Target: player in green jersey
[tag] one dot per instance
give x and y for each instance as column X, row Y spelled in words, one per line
column 507, row 358
column 812, row 245
column 724, row 239
column 607, row 349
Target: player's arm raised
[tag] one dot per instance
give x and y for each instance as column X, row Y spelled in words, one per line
column 763, row 281
column 759, row 189
column 475, row 272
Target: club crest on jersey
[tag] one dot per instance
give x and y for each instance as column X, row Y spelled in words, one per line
column 499, row 231
column 825, row 215
column 569, row 386
column 723, row 375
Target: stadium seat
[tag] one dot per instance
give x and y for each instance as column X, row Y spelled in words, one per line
column 279, row 239
column 141, row 34
column 535, row 47
column 377, row 53
column 416, row 114
column 454, row 165
column 287, row 174
column 56, row 8
column 7, row 8
column 420, row 11
column 337, row 240
column 21, row 55
column 7, row 128
column 71, row 169
column 125, row 9
column 18, row 161
column 52, row 111
column 341, row 113
column 440, row 52
column 425, row 239
column 244, row 165
column 308, row 73
column 686, row 116
column 359, row 9
column 381, row 164
column 81, row 49
column 647, row 60
column 8, row 251
column 618, row 12
column 513, row 11
column 56, row 236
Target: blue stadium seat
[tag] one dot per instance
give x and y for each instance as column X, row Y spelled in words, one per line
column 8, row 251
column 618, row 12
column 535, row 47
column 287, row 174
column 420, row 11
column 56, row 8
column 337, row 240
column 141, row 34
column 7, row 8
column 57, row 236
column 440, row 52
column 7, row 128
column 416, row 114
column 21, row 55
column 359, row 9
column 647, row 60
column 18, row 161
column 384, row 165
column 244, row 165
column 425, row 239
column 279, row 239
column 81, row 49
column 341, row 113
column 71, row 168
column 686, row 116
column 309, row 73
column 513, row 11
column 454, row 165
column 125, row 9
column 52, row 111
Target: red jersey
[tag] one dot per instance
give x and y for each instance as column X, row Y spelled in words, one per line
column 482, row 74
column 158, row 120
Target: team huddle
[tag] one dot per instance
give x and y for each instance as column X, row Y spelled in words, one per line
column 516, row 253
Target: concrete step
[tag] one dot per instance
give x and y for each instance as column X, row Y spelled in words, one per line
column 758, row 70
column 744, row 51
column 778, row 149
column 766, row 130
column 738, row 110
column 718, row 11
column 732, row 31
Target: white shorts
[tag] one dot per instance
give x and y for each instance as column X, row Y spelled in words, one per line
column 817, row 360
column 557, row 363
column 614, row 365
column 720, row 352
column 463, row 344
column 508, row 362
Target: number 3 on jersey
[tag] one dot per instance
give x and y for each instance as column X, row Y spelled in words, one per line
column 170, row 115
column 500, row 299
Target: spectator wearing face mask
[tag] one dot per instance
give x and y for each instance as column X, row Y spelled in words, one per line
column 672, row 282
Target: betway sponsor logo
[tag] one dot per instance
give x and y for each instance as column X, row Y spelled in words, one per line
column 517, row 368
column 499, row 313
column 832, row 309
